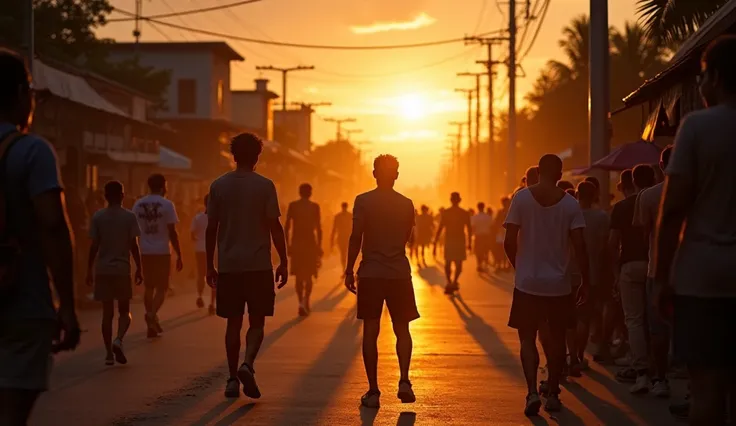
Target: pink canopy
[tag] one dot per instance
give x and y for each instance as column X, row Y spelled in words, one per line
column 626, row 156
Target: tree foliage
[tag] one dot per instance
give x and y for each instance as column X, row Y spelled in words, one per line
column 64, row 30
column 669, row 21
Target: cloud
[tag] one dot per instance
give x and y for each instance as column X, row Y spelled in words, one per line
column 420, row 21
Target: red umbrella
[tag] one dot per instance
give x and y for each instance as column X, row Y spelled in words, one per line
column 626, row 156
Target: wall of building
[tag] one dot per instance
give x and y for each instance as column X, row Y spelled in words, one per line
column 249, row 110
column 220, row 96
column 293, row 128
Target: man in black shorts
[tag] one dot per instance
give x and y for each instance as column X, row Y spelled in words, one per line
column 305, row 244
column 541, row 224
column 382, row 225
column 243, row 219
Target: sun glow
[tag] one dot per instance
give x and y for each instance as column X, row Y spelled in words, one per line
column 411, row 107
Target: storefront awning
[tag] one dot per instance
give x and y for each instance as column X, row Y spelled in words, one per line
column 170, row 159
column 133, row 157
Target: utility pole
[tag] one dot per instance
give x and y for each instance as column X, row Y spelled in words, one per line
column 598, row 102
column 339, row 122
column 476, row 173
column 511, row 178
column 284, row 72
column 458, row 150
column 29, row 33
column 350, row 132
column 468, row 172
column 137, row 29
column 311, row 106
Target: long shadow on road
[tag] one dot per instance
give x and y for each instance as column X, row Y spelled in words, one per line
column 330, row 300
column 313, row 392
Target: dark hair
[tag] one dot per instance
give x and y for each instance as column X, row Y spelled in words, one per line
column 720, row 57
column 15, row 77
column 246, row 148
column 565, row 185
column 156, row 182
column 386, row 166
column 344, row 205
column 626, row 181
column 571, row 191
column 532, row 174
column 425, row 208
column 305, row 190
column 481, row 207
column 114, row 192
column 644, row 176
column 664, row 157
column 455, row 197
column 206, row 200
column 550, row 166
column 594, row 180
column 587, row 191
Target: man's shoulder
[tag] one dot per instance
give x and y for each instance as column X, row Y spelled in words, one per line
column 653, row 192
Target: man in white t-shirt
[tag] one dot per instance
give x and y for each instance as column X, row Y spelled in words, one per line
column 542, row 223
column 482, row 223
column 157, row 220
column 198, row 230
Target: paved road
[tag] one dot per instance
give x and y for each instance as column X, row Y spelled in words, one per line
column 465, row 368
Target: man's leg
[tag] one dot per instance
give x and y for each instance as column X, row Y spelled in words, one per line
column 232, row 344
column 556, row 361
column 148, row 298
column 529, row 357
column 124, row 318
column 300, row 290
column 708, row 396
column 254, row 338
column 448, row 271
column 308, row 283
column 16, row 406
column 371, row 329
column 108, row 312
column 458, row 271
column 404, row 346
column 633, row 300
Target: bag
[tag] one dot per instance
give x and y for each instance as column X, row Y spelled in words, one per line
column 9, row 244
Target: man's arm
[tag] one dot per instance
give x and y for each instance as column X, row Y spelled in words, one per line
column 510, row 242
column 174, row 238
column 469, row 226
column 356, row 238
column 581, row 255
column 210, row 240
column 287, row 229
column 678, row 197
column 279, row 241
column 334, row 231
column 319, row 228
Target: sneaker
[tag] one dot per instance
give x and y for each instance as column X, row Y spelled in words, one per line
column 151, row 334
column 200, row 303
column 448, row 289
column 302, row 311
column 543, row 387
column 553, row 404
column 641, row 386
column 117, row 350
column 109, row 360
column 232, row 389
column 371, row 399
column 212, row 310
column 626, row 375
column 157, row 325
column 576, row 370
column 247, row 377
column 533, row 404
column 406, row 394
column 661, row 389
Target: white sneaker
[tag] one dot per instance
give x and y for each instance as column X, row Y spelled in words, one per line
column 661, row 389
column 641, row 386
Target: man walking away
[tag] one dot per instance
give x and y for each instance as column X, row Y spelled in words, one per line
column 114, row 233
column 454, row 222
column 305, row 244
column 630, row 249
column 243, row 219
column 646, row 211
column 35, row 244
column 698, row 193
column 341, row 232
column 482, row 223
column 542, row 223
column 424, row 232
column 382, row 225
column 157, row 220
column 198, row 231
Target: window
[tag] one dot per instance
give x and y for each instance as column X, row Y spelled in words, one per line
column 187, row 96
column 220, row 96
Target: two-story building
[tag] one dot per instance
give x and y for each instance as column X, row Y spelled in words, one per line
column 253, row 109
column 198, row 102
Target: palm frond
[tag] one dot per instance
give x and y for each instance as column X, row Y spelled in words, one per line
column 670, row 21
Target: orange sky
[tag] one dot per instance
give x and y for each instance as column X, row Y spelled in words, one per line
column 402, row 99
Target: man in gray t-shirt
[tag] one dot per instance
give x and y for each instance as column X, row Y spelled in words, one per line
column 242, row 221
column 383, row 221
column 696, row 239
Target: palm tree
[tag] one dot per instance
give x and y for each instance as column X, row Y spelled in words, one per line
column 575, row 46
column 634, row 52
column 671, row 21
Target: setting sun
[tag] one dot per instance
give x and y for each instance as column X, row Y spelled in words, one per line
column 411, row 107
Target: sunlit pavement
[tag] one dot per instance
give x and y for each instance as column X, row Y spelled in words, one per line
column 465, row 368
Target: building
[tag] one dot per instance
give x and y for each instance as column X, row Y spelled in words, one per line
column 293, row 128
column 198, row 102
column 253, row 109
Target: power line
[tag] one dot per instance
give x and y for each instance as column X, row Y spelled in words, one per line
column 536, row 32
column 185, row 12
column 158, row 30
column 308, row 46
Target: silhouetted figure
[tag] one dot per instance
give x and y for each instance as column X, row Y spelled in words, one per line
column 565, row 185
column 157, row 220
column 697, row 223
column 305, row 244
column 542, row 224
column 36, row 247
column 114, row 233
column 242, row 221
column 499, row 257
column 382, row 225
column 482, row 224
column 340, row 235
column 198, row 233
column 455, row 221
column 424, row 231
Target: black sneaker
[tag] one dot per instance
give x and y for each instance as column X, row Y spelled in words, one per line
column 371, row 399
column 232, row 389
column 553, row 404
column 117, row 350
column 406, row 394
column 200, row 303
column 247, row 377
column 533, row 404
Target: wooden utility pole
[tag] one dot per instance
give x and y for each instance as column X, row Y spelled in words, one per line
column 284, row 72
column 339, row 122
